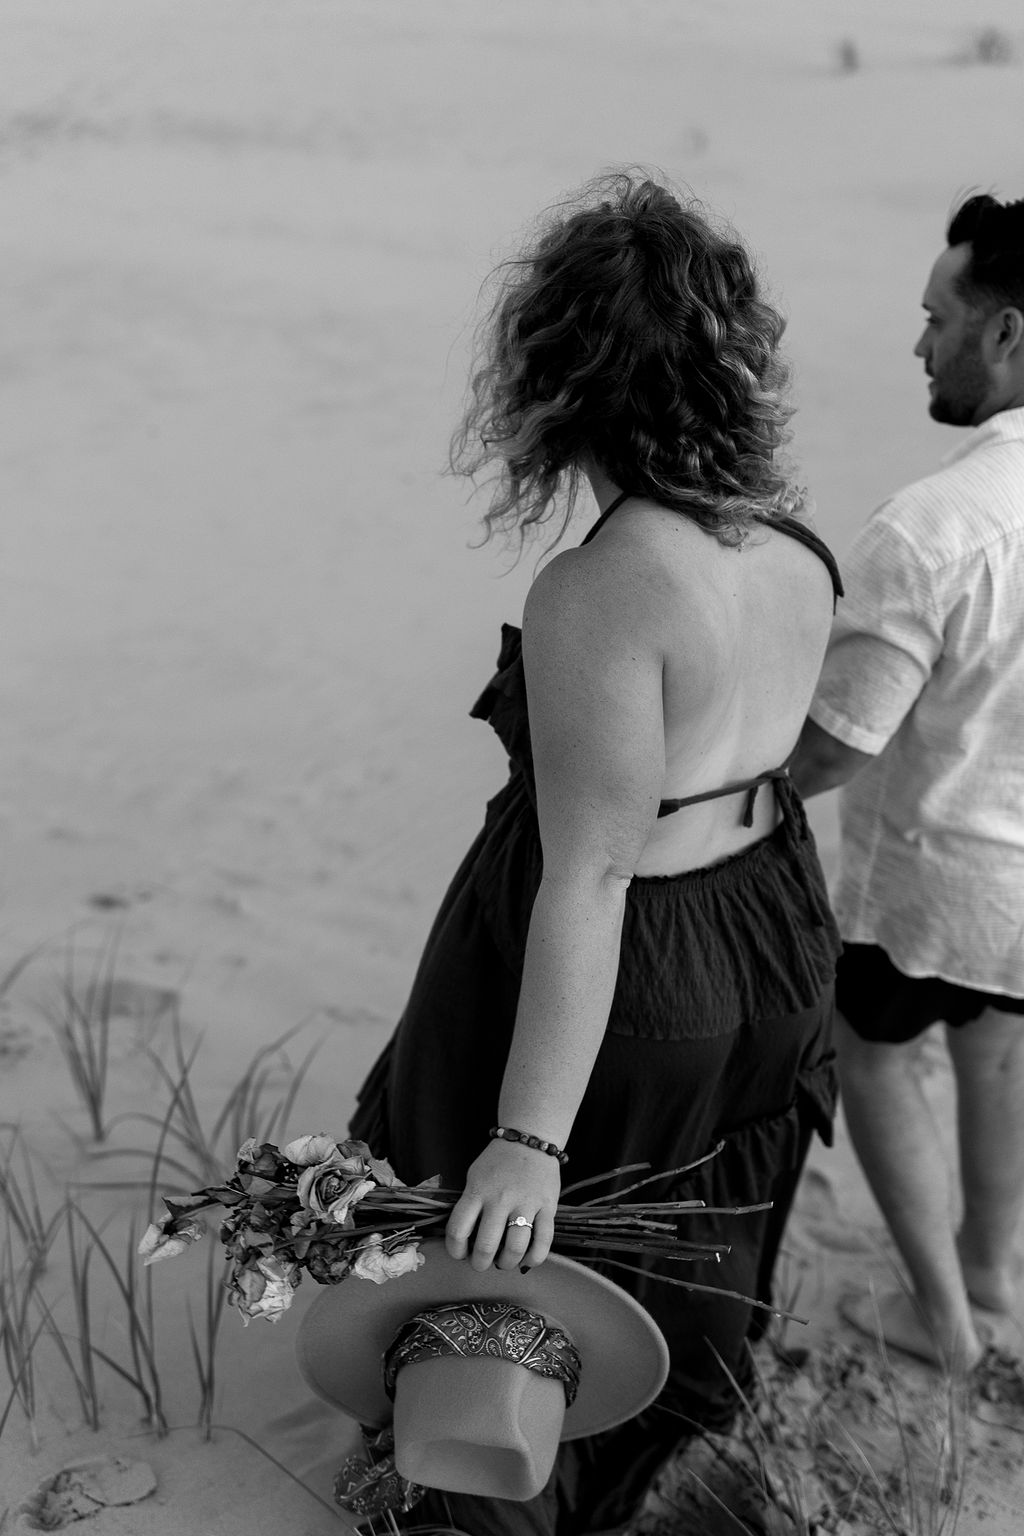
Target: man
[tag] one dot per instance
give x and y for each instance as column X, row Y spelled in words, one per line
column 921, row 705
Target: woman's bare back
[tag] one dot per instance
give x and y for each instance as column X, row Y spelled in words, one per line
column 741, row 632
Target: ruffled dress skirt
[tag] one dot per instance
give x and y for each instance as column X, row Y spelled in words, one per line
column 719, row 1033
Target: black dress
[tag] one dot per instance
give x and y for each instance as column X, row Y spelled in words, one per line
column 719, row 1031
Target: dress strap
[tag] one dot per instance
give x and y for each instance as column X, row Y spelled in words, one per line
column 772, row 775
column 810, row 540
column 606, row 514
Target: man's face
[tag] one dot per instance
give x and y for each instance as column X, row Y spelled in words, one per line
column 950, row 346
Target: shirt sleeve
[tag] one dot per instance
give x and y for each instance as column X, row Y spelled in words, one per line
column 886, row 639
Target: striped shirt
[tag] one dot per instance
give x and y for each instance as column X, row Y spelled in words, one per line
column 925, row 668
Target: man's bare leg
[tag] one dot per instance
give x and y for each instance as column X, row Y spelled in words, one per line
column 896, row 1139
column 988, row 1059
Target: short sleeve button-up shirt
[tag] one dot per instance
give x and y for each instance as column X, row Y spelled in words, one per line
column 925, row 669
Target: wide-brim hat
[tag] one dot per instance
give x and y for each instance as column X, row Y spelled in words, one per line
column 349, row 1328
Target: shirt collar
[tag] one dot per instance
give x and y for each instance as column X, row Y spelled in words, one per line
column 1003, row 427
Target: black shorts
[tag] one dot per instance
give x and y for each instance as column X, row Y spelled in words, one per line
column 880, row 1003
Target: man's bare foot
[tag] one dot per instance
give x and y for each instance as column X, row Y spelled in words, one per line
column 992, row 1286
column 903, row 1326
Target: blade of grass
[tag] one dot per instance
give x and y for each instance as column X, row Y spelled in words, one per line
column 18, row 1378
column 146, row 1377
column 22, row 1207
column 205, row 1356
column 240, row 1109
column 17, row 1338
column 284, row 1108
column 82, row 1030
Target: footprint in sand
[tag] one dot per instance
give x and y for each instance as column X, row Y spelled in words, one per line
column 83, row 1489
column 817, row 1216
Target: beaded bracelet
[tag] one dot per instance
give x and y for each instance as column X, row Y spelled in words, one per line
column 504, row 1133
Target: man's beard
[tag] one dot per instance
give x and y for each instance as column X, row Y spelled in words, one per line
column 963, row 387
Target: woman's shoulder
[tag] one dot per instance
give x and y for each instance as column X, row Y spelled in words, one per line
column 613, row 573
column 655, row 578
column 643, row 584
column 659, row 551
column 643, row 544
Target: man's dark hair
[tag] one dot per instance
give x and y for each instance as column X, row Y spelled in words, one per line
column 995, row 232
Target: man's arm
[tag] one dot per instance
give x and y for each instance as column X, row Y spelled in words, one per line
column 822, row 761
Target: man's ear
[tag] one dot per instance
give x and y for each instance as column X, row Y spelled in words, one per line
column 1006, row 333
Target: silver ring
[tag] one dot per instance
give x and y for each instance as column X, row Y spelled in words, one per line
column 518, row 1221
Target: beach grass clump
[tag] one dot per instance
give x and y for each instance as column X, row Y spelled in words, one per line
column 825, row 1442
column 81, row 1023
column 256, row 1106
column 196, row 1148
column 19, row 1335
column 94, row 1270
column 76, row 1349
column 133, row 1285
column 926, row 1487
column 20, row 1206
column 26, row 1237
column 187, row 1144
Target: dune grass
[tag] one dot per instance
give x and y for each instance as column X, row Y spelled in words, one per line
column 19, row 1334
column 791, row 1466
column 19, row 1201
column 133, row 1285
column 98, row 1271
column 188, row 1149
column 80, row 1020
column 203, row 1338
column 766, row 1457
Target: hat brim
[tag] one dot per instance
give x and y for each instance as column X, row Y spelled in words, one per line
column 343, row 1337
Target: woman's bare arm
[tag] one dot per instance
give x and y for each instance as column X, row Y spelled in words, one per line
column 594, row 682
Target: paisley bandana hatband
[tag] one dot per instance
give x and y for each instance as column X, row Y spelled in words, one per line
column 497, row 1330
column 370, row 1486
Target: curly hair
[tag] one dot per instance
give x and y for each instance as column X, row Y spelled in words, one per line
column 632, row 332
column 994, row 274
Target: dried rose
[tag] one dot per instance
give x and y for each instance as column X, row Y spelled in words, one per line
column 308, row 1151
column 258, row 1157
column 377, row 1263
column 164, row 1239
column 383, row 1172
column 331, row 1188
column 327, row 1263
column 345, row 1199
column 266, row 1289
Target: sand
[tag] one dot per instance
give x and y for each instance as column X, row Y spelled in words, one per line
column 242, row 617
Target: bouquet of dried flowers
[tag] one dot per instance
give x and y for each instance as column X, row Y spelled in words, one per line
column 335, row 1210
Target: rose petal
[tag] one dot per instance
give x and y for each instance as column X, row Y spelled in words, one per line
column 158, row 1243
column 306, row 1151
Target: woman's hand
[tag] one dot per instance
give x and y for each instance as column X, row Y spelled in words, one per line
column 507, row 1180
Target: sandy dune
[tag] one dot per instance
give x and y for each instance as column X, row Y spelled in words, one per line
column 242, row 623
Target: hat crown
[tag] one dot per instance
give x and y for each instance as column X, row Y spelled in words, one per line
column 479, row 1425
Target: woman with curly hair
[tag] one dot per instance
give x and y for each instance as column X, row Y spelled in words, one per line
column 634, row 962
